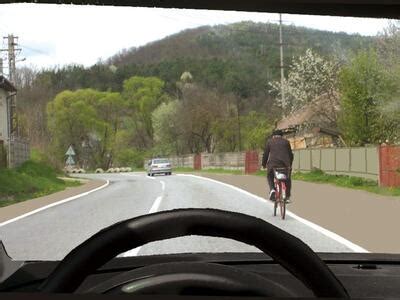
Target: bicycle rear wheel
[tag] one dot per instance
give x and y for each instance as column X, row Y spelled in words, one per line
column 277, row 193
column 282, row 201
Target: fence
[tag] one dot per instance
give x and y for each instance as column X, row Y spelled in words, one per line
column 360, row 162
column 19, row 153
column 185, row 161
column 228, row 160
column 380, row 163
column 3, row 155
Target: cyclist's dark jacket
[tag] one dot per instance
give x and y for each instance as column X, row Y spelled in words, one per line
column 277, row 153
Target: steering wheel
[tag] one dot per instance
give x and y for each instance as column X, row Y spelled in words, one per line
column 289, row 251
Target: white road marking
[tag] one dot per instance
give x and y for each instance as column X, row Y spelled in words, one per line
column 54, row 204
column 155, row 205
column 150, row 177
column 162, row 185
column 153, row 209
column 314, row 226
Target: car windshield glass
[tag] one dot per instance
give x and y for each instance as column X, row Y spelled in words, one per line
column 160, row 161
column 111, row 113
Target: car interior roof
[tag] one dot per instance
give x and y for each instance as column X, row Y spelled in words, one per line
column 356, row 8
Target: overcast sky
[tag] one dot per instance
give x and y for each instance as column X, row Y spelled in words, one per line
column 61, row 34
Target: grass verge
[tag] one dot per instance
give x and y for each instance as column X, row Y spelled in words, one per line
column 317, row 176
column 347, row 182
column 30, row 180
column 212, row 171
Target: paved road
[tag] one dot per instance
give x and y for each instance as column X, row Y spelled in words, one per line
column 51, row 233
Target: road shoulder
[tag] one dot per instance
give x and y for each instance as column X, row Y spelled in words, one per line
column 18, row 209
column 366, row 219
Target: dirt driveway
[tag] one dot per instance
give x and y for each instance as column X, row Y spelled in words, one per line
column 368, row 220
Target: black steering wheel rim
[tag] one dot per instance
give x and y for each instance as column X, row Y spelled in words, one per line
column 289, row 251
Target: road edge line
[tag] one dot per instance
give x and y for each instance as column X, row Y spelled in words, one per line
column 324, row 231
column 54, row 204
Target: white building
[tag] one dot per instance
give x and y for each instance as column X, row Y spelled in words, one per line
column 6, row 89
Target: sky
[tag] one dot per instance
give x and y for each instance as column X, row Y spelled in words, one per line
column 54, row 35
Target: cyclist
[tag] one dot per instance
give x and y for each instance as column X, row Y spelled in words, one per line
column 278, row 154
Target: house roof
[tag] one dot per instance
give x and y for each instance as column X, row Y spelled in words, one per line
column 310, row 113
column 297, row 118
column 6, row 85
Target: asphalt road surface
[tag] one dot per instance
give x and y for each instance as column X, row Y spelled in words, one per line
column 53, row 232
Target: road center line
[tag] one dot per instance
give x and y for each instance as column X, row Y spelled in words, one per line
column 54, row 204
column 162, row 185
column 314, row 226
column 156, row 205
column 153, row 209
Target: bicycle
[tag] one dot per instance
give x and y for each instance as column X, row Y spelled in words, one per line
column 280, row 190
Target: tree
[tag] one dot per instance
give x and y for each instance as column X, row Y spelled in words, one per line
column 310, row 76
column 388, row 43
column 143, row 95
column 89, row 120
column 168, row 129
column 200, row 109
column 366, row 88
column 256, row 128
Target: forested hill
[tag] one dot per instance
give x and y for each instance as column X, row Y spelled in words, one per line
column 213, row 54
column 244, row 40
column 235, row 61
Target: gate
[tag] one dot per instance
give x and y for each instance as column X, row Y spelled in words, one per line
column 389, row 166
column 251, row 162
column 197, row 162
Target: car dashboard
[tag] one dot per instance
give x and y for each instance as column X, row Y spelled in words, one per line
column 364, row 275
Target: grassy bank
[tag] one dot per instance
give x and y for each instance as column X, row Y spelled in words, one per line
column 212, row 171
column 31, row 180
column 317, row 176
column 347, row 182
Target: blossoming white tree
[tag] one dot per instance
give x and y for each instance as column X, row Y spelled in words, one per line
column 310, row 77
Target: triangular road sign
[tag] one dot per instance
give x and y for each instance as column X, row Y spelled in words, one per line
column 70, row 161
column 70, row 151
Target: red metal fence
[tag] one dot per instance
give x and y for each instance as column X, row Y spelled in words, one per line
column 389, row 166
column 251, row 162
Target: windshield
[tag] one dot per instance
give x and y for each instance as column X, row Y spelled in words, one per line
column 89, row 95
column 160, row 161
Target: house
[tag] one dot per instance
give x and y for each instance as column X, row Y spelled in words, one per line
column 14, row 149
column 6, row 89
column 313, row 126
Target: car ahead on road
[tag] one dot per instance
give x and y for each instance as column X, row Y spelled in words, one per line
column 158, row 166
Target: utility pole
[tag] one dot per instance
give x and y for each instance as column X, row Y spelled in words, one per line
column 281, row 64
column 11, row 56
column 12, row 43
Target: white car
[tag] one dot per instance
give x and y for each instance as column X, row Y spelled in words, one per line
column 159, row 166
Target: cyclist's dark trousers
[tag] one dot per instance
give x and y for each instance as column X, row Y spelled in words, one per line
column 270, row 177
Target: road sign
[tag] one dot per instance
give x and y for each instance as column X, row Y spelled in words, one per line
column 70, row 151
column 70, row 161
